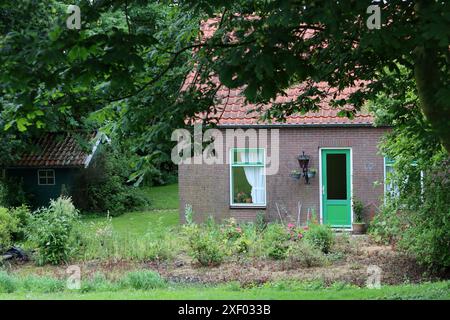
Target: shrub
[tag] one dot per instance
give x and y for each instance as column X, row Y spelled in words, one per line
column 276, row 240
column 3, row 194
column 387, row 224
column 342, row 245
column 103, row 187
column 320, row 235
column 205, row 245
column 230, row 230
column 7, row 283
column 22, row 215
column 8, row 226
column 304, row 254
column 241, row 239
column 12, row 193
column 418, row 225
column 52, row 230
column 358, row 208
column 241, row 245
column 420, row 178
column 143, row 280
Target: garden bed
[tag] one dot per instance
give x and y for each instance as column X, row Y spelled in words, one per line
column 221, row 254
column 396, row 268
column 351, row 268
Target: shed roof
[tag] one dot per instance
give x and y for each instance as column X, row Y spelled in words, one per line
column 58, row 150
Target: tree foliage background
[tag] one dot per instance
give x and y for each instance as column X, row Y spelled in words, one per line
column 416, row 216
column 118, row 73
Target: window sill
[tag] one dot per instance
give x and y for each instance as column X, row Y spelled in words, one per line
column 236, row 206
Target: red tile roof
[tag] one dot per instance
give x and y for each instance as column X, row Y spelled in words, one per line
column 55, row 150
column 232, row 109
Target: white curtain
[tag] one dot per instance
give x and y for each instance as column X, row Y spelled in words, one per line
column 255, row 176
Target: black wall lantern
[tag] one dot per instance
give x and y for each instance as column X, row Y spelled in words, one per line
column 303, row 161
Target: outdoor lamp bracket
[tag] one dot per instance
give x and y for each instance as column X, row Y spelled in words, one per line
column 303, row 161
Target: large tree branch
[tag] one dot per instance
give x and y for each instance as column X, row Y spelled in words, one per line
column 426, row 73
column 428, row 79
column 172, row 63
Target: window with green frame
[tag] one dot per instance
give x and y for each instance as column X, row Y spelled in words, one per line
column 390, row 188
column 247, row 177
column 46, row 177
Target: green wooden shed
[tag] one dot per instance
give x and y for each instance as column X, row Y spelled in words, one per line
column 51, row 166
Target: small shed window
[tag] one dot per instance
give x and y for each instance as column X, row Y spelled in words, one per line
column 46, row 177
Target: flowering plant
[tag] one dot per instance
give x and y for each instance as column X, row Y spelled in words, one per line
column 231, row 230
column 294, row 232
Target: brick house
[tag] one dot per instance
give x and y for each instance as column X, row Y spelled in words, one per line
column 344, row 164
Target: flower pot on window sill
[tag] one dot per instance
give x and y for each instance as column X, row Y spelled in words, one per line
column 359, row 227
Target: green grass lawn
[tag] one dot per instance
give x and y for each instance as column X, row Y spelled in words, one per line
column 164, row 197
column 140, row 223
column 162, row 217
column 437, row 290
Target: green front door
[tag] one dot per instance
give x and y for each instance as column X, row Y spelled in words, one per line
column 336, row 188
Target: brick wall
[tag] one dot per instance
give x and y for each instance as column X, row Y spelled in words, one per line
column 207, row 189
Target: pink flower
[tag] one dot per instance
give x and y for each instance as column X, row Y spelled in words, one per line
column 300, row 236
column 306, row 228
column 291, row 225
column 238, row 229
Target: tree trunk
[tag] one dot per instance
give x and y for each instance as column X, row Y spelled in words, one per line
column 427, row 74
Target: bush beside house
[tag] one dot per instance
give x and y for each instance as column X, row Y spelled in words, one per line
column 103, row 187
column 52, row 231
column 210, row 243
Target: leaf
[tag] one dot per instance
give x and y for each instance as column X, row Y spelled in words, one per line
column 22, row 124
column 78, row 53
column 40, row 124
column 54, row 34
column 8, row 125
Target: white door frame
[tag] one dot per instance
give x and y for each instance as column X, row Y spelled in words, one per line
column 351, row 183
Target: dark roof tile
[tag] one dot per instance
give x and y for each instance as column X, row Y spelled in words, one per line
column 55, row 150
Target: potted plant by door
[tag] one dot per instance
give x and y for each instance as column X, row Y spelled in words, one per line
column 296, row 174
column 311, row 173
column 359, row 226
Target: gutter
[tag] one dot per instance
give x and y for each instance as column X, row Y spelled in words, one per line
column 46, row 167
column 281, row 125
